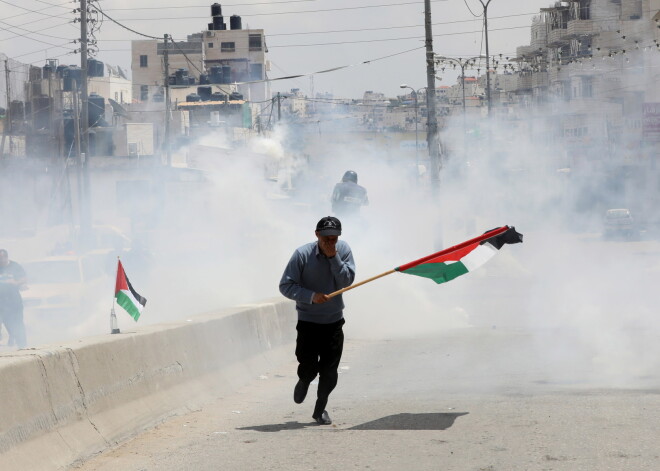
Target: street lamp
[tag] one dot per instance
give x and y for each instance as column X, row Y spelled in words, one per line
column 462, row 64
column 485, row 6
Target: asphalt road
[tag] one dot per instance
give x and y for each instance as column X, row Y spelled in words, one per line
column 470, row 399
column 556, row 367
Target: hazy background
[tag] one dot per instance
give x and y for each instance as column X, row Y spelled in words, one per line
column 226, row 242
column 302, row 36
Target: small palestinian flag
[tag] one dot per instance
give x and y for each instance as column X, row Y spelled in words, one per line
column 462, row 258
column 126, row 296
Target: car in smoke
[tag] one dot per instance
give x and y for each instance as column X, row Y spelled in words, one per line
column 619, row 223
column 64, row 289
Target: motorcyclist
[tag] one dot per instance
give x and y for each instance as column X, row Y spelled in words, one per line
column 348, row 197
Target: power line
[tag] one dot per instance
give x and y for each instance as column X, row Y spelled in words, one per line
column 286, row 12
column 206, row 6
column 470, row 9
column 392, row 39
column 393, row 27
column 31, row 32
column 26, row 9
column 123, row 26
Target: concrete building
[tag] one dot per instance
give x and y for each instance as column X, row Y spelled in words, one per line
column 219, row 56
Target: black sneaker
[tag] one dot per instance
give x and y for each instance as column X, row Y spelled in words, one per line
column 323, row 419
column 300, row 392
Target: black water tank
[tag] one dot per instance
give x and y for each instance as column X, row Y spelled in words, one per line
column 216, row 9
column 48, row 71
column 70, row 75
column 192, row 97
column 203, row 79
column 219, row 23
column 95, row 110
column 217, row 96
column 94, row 68
column 205, row 92
column 216, row 74
column 171, row 80
column 181, row 76
column 191, row 80
column 60, row 70
column 41, row 109
column 226, row 74
column 235, row 22
column 210, row 28
column 235, row 96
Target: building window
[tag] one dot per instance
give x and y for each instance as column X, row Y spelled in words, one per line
column 255, row 42
column 143, row 61
column 144, row 92
column 256, row 71
column 228, row 47
column 210, row 45
column 587, row 87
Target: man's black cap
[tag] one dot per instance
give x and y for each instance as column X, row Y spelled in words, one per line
column 329, row 226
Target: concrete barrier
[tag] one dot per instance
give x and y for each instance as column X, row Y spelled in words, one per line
column 66, row 403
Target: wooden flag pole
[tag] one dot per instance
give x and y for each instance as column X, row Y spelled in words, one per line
column 331, row 295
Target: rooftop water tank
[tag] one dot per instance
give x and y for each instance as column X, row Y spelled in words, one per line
column 204, row 92
column 226, row 74
column 192, row 97
column 235, row 22
column 216, row 9
column 219, row 23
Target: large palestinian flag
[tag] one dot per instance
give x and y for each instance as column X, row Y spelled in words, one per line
column 462, row 258
column 126, row 296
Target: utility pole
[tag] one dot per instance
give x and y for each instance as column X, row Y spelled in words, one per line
column 485, row 5
column 279, row 107
column 79, row 155
column 7, row 126
column 85, row 203
column 432, row 118
column 166, row 63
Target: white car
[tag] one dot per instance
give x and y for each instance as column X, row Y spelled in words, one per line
column 64, row 288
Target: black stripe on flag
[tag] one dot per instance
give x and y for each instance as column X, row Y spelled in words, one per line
column 135, row 294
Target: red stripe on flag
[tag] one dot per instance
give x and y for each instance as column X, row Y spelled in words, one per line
column 461, row 249
column 121, row 283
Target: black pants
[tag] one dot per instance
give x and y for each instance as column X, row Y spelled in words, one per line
column 13, row 320
column 318, row 350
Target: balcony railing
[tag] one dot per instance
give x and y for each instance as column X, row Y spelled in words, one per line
column 556, row 37
column 577, row 28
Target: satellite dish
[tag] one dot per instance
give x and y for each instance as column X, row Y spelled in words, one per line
column 118, row 109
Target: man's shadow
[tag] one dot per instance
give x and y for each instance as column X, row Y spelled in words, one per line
column 403, row 421
column 279, row 427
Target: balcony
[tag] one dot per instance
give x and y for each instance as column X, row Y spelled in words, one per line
column 540, row 79
column 556, row 37
column 577, row 28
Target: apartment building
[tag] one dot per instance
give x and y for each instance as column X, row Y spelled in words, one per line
column 230, row 58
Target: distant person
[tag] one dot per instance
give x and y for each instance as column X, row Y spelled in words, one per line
column 314, row 271
column 348, row 197
column 12, row 282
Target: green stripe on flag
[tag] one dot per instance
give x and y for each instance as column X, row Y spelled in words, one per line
column 128, row 303
column 438, row 272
